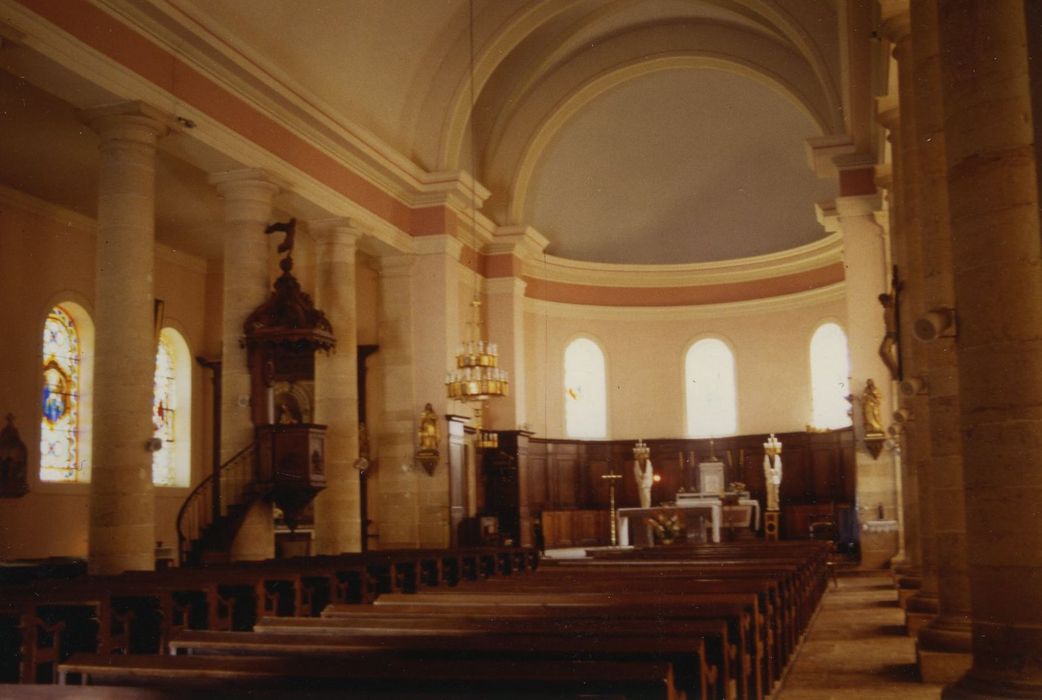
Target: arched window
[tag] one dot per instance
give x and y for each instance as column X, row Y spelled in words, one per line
column 65, row 420
column 585, row 400
column 829, row 373
column 171, row 404
column 712, row 407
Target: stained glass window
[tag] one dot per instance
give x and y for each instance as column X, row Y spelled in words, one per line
column 586, row 411
column 164, row 414
column 712, row 401
column 829, row 372
column 60, row 458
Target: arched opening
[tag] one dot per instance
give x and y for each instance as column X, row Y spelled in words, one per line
column 585, row 392
column 709, row 387
column 171, row 411
column 829, row 377
column 67, row 368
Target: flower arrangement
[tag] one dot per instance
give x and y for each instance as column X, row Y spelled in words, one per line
column 666, row 526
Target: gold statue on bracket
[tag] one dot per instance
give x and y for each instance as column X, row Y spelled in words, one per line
column 871, row 418
column 429, row 439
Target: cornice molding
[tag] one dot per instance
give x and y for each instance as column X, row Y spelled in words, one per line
column 252, row 77
column 813, row 256
column 10, row 197
column 34, row 206
column 813, row 297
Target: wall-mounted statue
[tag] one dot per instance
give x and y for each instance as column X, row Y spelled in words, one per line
column 871, row 408
column 13, row 461
column 889, row 346
column 429, row 439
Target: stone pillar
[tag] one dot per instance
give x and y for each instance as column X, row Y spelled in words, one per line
column 944, row 645
column 506, row 328
column 993, row 194
column 437, row 330
column 908, row 571
column 867, row 277
column 397, row 519
column 247, row 198
column 337, row 508
column 122, row 505
column 897, row 28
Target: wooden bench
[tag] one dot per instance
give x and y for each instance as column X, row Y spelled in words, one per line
column 688, row 656
column 366, row 676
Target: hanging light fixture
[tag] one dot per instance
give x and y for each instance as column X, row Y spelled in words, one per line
column 477, row 376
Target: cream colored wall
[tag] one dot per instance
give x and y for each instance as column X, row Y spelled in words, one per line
column 49, row 258
column 645, row 365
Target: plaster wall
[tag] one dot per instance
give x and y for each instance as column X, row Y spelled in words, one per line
column 645, row 365
column 49, row 258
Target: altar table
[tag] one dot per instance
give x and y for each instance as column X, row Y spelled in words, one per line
column 690, row 509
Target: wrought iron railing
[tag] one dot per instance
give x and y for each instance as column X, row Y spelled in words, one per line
column 212, row 499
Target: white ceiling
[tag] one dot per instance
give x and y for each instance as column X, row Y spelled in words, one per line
column 664, row 166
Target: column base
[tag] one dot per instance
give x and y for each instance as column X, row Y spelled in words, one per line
column 945, row 649
column 920, row 610
column 907, row 587
column 976, row 685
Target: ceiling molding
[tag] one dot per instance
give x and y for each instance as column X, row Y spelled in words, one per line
column 813, row 256
column 801, row 300
column 85, row 225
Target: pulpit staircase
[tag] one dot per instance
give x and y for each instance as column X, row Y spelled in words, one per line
column 215, row 510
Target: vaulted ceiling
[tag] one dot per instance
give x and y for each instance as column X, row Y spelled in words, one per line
column 648, row 131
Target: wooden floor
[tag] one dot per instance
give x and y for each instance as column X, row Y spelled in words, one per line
column 856, row 648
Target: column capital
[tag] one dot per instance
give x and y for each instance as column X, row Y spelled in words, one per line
column 443, row 244
column 338, row 236
column 897, row 22
column 888, row 113
column 128, row 121
column 390, row 266
column 247, row 193
column 858, row 205
column 336, row 227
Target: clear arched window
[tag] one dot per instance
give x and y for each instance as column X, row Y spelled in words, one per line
column 64, row 440
column 170, row 411
column 829, row 377
column 585, row 400
column 712, row 406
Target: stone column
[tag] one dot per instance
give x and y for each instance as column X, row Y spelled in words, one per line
column 247, row 198
column 944, row 645
column 122, row 506
column 908, row 571
column 506, row 328
column 897, row 28
column 437, row 330
column 867, row 277
column 397, row 517
column 337, row 508
column 993, row 195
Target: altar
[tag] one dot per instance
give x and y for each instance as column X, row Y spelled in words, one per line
column 695, row 512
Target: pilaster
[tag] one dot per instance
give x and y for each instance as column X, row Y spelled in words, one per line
column 866, row 278
column 399, row 477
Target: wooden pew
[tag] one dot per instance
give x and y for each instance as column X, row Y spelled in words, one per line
column 374, row 675
column 740, row 611
column 723, row 649
column 693, row 673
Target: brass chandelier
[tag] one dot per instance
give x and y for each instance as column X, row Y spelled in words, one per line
column 477, row 376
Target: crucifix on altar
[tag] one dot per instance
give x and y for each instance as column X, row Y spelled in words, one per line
column 612, row 480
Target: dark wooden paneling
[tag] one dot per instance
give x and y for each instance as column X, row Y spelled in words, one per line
column 565, row 475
